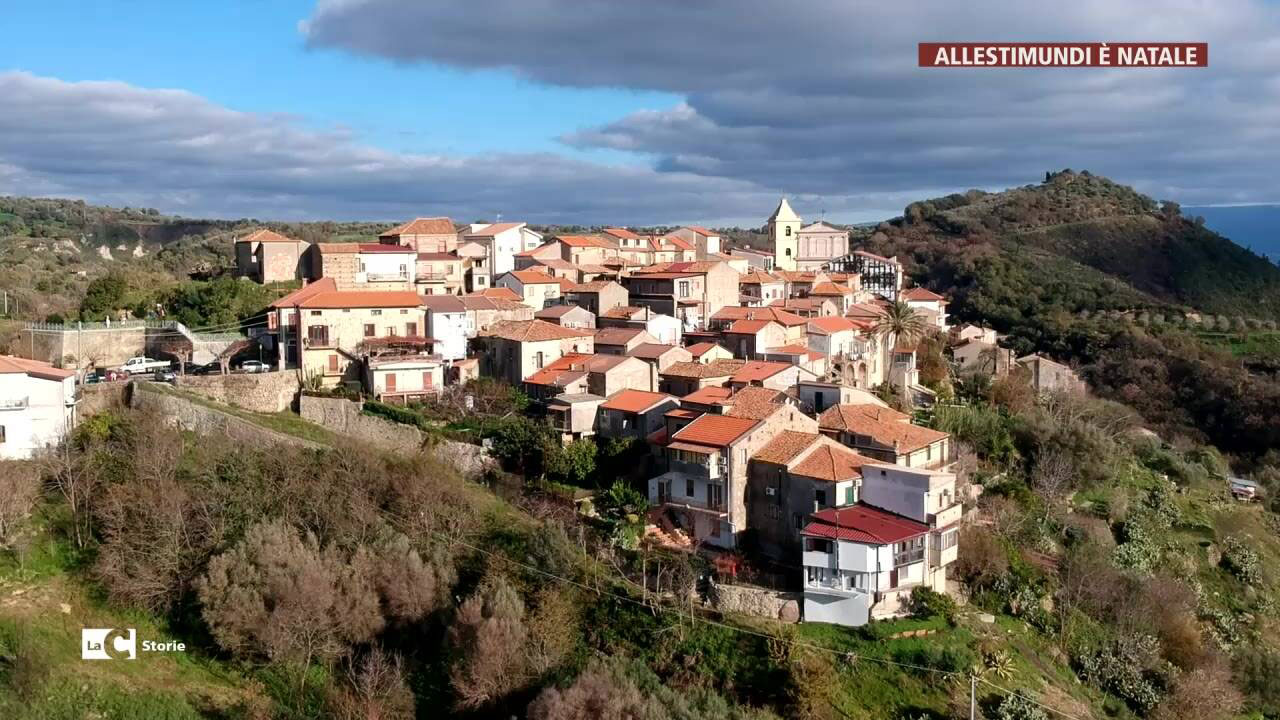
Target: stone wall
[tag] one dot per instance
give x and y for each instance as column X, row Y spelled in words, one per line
column 102, row 396
column 772, row 604
column 202, row 420
column 80, row 345
column 346, row 418
column 268, row 392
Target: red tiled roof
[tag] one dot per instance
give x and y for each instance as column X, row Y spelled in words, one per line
column 921, row 295
column 714, row 369
column 702, row 348
column 864, row 524
column 623, row 311
column 710, row 395
column 557, row 311
column 534, row 277
column 756, row 403
column 583, row 241
column 792, row 349
column 594, row 286
column 833, row 464
column 678, row 242
column 423, row 226
column 335, row 299
column 634, row 401
column 621, row 233
column 785, row 447
column 701, row 231
column 757, row 277
column 533, row 331
column 617, row 335
column 444, row 303
column 830, row 325
column 496, row 293
column 651, row 351
column 830, row 288
column 263, row 235
column 35, row 368
column 437, row 256
column 714, row 430
column 386, row 248
column 778, row 315
column 759, row 370
column 883, row 425
column 326, row 284
column 749, row 327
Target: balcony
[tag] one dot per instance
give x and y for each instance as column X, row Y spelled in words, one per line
column 432, row 277
column 21, row 403
column 713, row 470
column 908, row 557
column 382, row 277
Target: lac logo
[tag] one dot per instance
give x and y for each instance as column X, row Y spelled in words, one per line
column 116, row 644
column 108, row 644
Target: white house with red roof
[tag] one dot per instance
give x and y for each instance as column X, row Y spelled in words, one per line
column 928, row 303
column 706, row 243
column 501, row 242
column 863, row 561
column 536, row 289
column 37, row 406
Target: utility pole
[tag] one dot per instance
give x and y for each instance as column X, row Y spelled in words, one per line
column 973, row 699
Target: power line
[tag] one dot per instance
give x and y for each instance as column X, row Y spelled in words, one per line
column 733, row 628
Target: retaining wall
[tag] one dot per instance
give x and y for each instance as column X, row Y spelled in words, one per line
column 346, row 417
column 202, row 420
column 268, row 392
column 772, row 604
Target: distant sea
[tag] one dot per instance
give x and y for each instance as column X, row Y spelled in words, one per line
column 1256, row 227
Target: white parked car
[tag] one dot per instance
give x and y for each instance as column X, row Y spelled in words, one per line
column 254, row 366
column 136, row 365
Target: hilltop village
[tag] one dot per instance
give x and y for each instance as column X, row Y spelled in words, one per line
column 773, row 389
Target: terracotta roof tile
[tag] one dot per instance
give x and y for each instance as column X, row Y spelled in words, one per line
column 920, row 294
column 830, row 325
column 634, row 401
column 35, row 368
column 493, row 229
column 423, row 226
column 756, row 403
column 864, row 524
column 710, row 395
column 618, row 335
column 327, row 284
column 533, row 331
column 263, row 235
column 496, row 293
column 336, row 299
column 749, row 327
column 759, row 370
column 830, row 288
column 777, row 315
column 714, row 430
column 785, row 447
column 621, row 233
column 534, row 277
column 583, row 241
column 702, row 348
column 883, row 425
column 714, row 369
column 651, row 351
column 832, row 463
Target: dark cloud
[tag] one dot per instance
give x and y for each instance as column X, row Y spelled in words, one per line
column 116, row 143
column 823, row 97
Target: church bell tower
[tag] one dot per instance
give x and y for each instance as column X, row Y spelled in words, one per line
column 784, row 231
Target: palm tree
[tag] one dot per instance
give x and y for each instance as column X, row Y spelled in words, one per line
column 902, row 320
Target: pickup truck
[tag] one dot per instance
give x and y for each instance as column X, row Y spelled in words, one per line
column 135, row 365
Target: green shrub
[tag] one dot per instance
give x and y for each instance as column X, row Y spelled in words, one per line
column 1017, row 707
column 926, row 603
column 398, row 414
column 1241, row 560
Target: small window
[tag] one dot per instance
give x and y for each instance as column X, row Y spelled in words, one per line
column 375, row 312
column 333, row 363
column 788, row 232
column 315, row 313
column 404, row 312
column 2, row 435
column 850, row 495
column 369, row 331
column 688, row 487
column 820, row 497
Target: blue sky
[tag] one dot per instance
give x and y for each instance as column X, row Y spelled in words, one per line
column 597, row 111
column 251, row 56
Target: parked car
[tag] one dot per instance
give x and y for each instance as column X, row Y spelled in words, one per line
column 91, row 379
column 140, row 364
column 166, row 376
column 254, row 366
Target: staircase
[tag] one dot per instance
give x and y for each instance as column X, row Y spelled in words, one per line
column 663, row 532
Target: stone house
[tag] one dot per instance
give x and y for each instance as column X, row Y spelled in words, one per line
column 514, row 350
column 634, row 413
column 887, row 435
column 774, row 375
column 929, row 304
column 794, row 325
column 501, row 242
column 683, row 378
column 597, row 296
column 536, row 289
column 440, row 273
column 424, row 235
column 708, row 352
column 665, row 328
column 748, row 339
column 266, row 256
column 570, row 316
column 621, row 341
column 365, row 266
column 706, row 244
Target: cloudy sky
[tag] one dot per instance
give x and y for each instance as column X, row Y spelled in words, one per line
column 598, row 111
